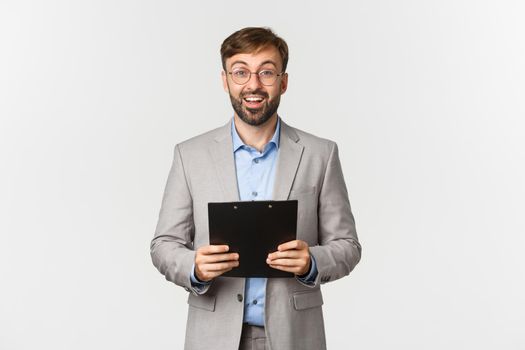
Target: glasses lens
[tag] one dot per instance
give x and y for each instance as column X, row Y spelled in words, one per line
column 241, row 76
column 267, row 77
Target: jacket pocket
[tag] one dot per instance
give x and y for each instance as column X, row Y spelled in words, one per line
column 307, row 300
column 204, row 301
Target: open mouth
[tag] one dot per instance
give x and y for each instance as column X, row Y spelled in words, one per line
column 253, row 101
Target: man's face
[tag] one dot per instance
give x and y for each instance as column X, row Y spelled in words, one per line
column 253, row 102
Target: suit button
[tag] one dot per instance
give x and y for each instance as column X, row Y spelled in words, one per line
column 239, row 297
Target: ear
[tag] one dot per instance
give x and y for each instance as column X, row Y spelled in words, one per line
column 284, row 83
column 225, row 82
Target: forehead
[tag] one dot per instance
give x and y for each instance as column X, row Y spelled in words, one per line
column 267, row 55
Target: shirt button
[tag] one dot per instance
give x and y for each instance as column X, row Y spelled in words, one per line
column 255, row 302
column 239, row 297
column 256, row 160
column 254, row 194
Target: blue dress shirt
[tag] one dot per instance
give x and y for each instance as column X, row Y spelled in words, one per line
column 255, row 178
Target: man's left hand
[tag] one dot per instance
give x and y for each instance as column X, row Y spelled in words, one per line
column 292, row 256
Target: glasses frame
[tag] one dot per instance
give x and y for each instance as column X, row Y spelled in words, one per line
column 258, row 77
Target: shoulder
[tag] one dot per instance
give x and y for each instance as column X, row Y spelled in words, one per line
column 202, row 141
column 310, row 141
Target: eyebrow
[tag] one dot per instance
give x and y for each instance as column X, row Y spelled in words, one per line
column 262, row 64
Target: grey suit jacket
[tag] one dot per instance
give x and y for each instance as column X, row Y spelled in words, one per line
column 203, row 170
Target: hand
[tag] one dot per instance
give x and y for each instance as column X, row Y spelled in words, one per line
column 292, row 256
column 214, row 260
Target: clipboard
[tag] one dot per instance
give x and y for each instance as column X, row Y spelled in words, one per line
column 253, row 229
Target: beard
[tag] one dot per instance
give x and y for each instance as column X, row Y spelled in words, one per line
column 259, row 116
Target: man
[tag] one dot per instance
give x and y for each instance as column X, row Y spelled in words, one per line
column 255, row 156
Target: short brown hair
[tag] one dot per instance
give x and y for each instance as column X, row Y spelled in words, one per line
column 253, row 39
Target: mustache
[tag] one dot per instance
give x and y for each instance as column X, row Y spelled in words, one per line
column 255, row 92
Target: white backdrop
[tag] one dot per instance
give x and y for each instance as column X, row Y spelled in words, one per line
column 425, row 99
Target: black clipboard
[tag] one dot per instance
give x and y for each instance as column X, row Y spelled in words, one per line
column 253, row 229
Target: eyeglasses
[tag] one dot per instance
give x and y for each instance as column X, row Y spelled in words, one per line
column 267, row 77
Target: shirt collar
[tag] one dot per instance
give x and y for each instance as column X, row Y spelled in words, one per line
column 238, row 143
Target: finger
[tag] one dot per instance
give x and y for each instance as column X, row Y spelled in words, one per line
column 209, row 275
column 213, row 258
column 294, row 270
column 296, row 244
column 219, row 266
column 285, row 254
column 286, row 262
column 213, row 249
column 220, row 272
column 215, row 274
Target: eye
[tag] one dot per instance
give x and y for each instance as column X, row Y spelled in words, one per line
column 267, row 73
column 241, row 73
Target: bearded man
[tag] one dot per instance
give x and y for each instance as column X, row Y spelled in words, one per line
column 255, row 156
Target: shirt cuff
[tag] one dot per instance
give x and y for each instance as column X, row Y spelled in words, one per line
column 195, row 283
column 312, row 274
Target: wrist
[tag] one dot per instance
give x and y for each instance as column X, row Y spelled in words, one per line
column 307, row 270
column 195, row 278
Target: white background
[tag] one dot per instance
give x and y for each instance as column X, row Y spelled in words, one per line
column 425, row 100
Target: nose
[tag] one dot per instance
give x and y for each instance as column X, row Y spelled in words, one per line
column 254, row 83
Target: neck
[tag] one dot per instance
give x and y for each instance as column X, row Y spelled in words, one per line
column 256, row 136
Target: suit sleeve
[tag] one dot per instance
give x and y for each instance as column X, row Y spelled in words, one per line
column 172, row 246
column 339, row 250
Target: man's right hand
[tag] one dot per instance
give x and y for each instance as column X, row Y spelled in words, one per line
column 214, row 260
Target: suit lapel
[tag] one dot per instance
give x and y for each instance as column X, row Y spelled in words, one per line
column 290, row 152
column 222, row 154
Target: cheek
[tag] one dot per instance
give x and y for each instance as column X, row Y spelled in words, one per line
column 274, row 96
column 235, row 92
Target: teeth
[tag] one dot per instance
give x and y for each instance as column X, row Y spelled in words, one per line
column 253, row 99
